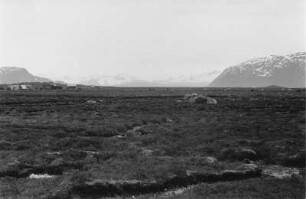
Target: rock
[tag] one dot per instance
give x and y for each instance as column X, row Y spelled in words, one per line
column 169, row 120
column 190, row 172
column 203, row 99
column 147, row 152
column 210, row 160
column 196, row 98
column 121, row 136
column 188, row 96
column 91, row 102
column 206, row 160
column 211, row 100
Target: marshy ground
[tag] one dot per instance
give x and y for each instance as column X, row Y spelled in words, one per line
column 144, row 143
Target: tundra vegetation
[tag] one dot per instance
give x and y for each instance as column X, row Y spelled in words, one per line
column 151, row 143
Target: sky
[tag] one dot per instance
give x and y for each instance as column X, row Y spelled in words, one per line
column 151, row 39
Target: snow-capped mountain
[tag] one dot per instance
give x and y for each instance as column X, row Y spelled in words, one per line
column 125, row 80
column 102, row 80
column 192, row 80
column 287, row 71
column 9, row 75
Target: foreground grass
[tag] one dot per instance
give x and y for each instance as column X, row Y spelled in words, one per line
column 252, row 188
column 58, row 133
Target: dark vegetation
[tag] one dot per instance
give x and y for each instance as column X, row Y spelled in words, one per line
column 138, row 188
column 143, row 135
column 263, row 188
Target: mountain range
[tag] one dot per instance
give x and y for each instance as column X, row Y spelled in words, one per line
column 124, row 80
column 9, row 75
column 285, row 71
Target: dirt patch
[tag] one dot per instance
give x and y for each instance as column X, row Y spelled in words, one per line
column 280, row 172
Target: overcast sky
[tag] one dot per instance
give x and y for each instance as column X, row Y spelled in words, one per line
column 146, row 38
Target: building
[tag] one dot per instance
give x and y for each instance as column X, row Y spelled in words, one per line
column 14, row 87
column 4, row 87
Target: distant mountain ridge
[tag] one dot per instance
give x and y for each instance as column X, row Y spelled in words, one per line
column 125, row 80
column 283, row 71
column 286, row 71
column 10, row 75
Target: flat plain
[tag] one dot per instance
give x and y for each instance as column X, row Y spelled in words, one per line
column 148, row 143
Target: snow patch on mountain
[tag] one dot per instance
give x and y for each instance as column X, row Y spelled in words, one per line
column 265, row 70
column 265, row 66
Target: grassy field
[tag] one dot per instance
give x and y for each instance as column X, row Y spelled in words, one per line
column 138, row 142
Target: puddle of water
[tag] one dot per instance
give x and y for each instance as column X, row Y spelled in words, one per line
column 40, row 176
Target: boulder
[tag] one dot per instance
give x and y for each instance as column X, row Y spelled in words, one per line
column 168, row 120
column 211, row 100
column 188, row 96
column 196, row 98
column 91, row 102
column 210, row 160
column 203, row 99
column 147, row 152
column 205, row 160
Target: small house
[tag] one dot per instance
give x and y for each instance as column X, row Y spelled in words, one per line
column 23, row 87
column 14, row 87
